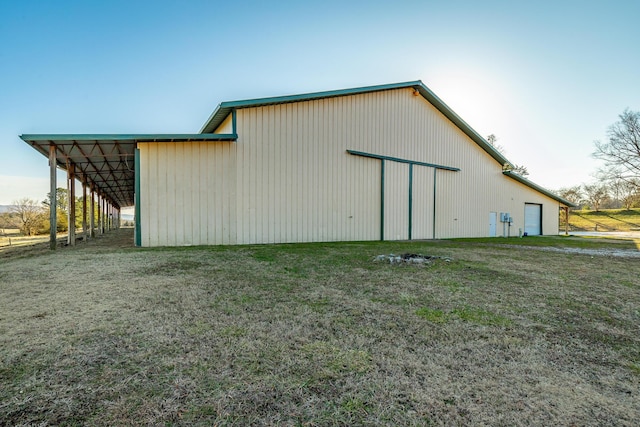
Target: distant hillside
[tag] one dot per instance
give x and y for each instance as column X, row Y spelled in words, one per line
column 605, row 220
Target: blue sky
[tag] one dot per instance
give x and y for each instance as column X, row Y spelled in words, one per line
column 546, row 77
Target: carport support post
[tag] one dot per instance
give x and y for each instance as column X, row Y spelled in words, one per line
column 71, row 185
column 52, row 197
column 92, row 221
column 103, row 221
column 98, row 223
column 566, row 220
column 84, row 207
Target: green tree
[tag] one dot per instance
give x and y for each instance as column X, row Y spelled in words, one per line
column 62, row 199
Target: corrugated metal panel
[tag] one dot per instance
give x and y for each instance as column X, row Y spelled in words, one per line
column 187, row 193
column 296, row 181
column 226, row 127
column 396, row 201
column 422, row 202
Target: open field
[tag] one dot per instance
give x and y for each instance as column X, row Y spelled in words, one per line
column 605, row 220
column 502, row 333
column 12, row 237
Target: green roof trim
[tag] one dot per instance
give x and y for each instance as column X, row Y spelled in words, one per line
column 146, row 137
column 539, row 189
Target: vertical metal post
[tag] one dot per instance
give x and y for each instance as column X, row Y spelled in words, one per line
column 53, row 222
column 410, row 198
column 382, row 199
column 434, row 202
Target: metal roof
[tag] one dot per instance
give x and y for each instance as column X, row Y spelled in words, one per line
column 107, row 161
column 536, row 187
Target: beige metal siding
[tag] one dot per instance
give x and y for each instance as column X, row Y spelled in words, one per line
column 422, row 218
column 288, row 177
column 396, row 201
column 186, row 196
column 226, row 126
column 295, row 183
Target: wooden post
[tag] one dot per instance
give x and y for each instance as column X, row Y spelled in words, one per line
column 85, row 235
column 92, row 219
column 71, row 176
column 103, row 213
column 108, row 216
column 53, row 223
column 566, row 222
column 99, row 211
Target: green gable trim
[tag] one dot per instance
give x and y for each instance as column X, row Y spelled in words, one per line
column 382, row 199
column 539, row 189
column 224, row 108
column 137, row 218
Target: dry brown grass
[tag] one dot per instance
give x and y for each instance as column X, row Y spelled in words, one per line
column 318, row 334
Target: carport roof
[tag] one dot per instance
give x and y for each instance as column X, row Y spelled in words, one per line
column 107, row 161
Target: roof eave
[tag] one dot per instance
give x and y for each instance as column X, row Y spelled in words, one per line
column 538, row 188
column 152, row 137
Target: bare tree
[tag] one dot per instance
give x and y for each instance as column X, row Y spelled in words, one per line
column 6, row 221
column 629, row 193
column 29, row 215
column 596, row 195
column 621, row 152
column 518, row 169
column 570, row 194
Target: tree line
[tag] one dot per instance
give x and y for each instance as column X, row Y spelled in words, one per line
column 32, row 217
column 617, row 182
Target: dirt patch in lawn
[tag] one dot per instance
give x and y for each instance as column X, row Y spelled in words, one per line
column 607, row 252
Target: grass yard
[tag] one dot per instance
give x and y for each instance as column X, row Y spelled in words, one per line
column 318, row 334
column 605, row 220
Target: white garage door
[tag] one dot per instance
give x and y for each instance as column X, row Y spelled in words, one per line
column 533, row 219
